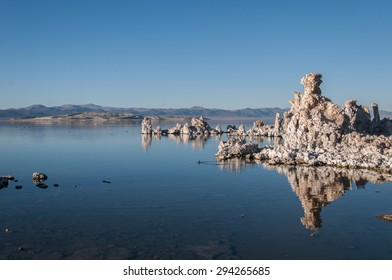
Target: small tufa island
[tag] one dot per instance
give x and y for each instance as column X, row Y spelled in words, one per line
column 314, row 132
column 317, row 131
column 198, row 127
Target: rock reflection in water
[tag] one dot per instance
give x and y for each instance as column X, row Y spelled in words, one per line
column 146, row 142
column 316, row 187
column 197, row 142
column 235, row 164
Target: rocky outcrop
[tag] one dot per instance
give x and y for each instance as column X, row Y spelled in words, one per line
column 198, row 127
column 146, row 126
column 236, row 148
column 218, row 129
column 175, row 130
column 39, row 178
column 316, row 131
column 260, row 129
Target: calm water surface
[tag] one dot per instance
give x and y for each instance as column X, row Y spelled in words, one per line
column 122, row 195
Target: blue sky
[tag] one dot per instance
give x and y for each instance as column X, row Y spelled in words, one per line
column 217, row 54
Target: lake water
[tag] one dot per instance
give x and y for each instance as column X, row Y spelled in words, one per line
column 122, row 195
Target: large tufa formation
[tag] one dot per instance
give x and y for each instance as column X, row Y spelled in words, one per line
column 313, row 120
column 317, row 131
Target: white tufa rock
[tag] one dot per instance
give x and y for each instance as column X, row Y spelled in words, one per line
column 146, row 126
column 316, row 131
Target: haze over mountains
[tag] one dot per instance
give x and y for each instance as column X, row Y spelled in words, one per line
column 43, row 111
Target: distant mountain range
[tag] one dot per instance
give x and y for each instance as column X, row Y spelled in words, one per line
column 43, row 111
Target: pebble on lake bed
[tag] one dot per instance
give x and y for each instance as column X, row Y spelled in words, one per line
column 106, row 182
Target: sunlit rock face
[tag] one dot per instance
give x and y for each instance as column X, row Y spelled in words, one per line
column 317, row 131
column 236, row 147
column 146, row 126
column 313, row 120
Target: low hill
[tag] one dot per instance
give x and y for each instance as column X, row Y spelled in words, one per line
column 35, row 111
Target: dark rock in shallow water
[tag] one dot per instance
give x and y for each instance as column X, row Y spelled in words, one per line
column 39, row 178
column 106, row 182
column 56, row 185
column 3, row 182
column 18, row 187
